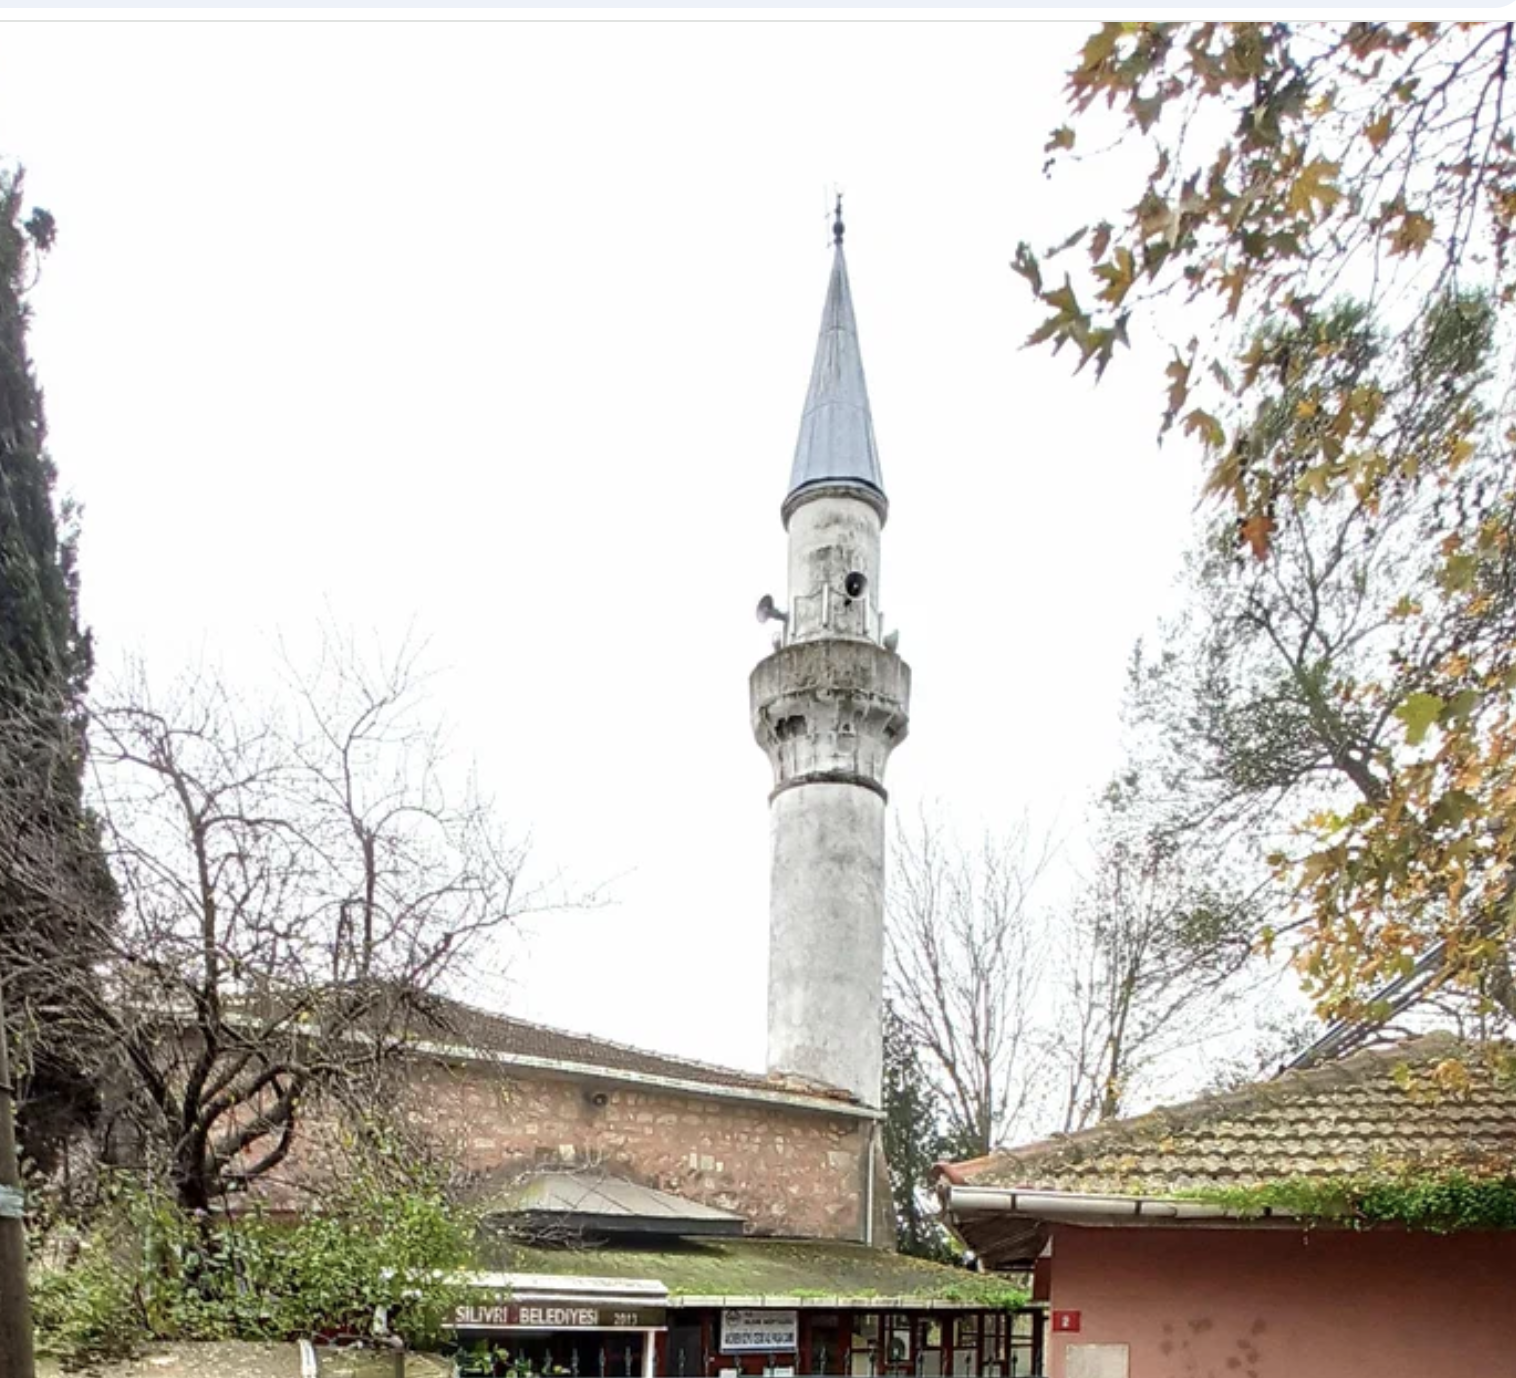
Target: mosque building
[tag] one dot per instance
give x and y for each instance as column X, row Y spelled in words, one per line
column 656, row 1215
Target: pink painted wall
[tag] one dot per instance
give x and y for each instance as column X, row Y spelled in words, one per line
column 1196, row 1303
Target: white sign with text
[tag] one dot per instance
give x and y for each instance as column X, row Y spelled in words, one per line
column 760, row 1332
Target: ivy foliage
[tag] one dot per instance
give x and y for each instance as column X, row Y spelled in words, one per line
column 1440, row 1202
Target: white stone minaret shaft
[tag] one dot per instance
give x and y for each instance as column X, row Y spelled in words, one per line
column 828, row 707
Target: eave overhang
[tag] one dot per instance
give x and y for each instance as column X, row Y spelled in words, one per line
column 1008, row 1226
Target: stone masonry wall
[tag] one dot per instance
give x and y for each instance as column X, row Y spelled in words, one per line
column 787, row 1171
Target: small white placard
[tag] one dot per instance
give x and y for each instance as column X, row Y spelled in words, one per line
column 1097, row 1361
column 759, row 1332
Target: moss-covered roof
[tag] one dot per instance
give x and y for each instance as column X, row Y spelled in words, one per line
column 1427, row 1104
column 750, row 1271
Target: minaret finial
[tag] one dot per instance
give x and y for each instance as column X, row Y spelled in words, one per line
column 838, row 227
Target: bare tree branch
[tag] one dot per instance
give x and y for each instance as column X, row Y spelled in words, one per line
column 298, row 878
column 964, row 972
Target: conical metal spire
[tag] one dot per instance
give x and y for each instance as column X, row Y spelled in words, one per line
column 836, row 445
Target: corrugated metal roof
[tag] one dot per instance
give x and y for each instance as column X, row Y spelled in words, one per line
column 836, row 444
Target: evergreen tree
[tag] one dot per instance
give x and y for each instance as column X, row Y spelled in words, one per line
column 913, row 1142
column 55, row 891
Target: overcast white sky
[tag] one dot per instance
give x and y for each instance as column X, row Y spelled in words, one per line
column 503, row 331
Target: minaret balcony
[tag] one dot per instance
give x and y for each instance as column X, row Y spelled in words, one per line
column 830, row 709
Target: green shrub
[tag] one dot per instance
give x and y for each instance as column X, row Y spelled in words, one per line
column 87, row 1312
column 373, row 1249
column 148, row 1271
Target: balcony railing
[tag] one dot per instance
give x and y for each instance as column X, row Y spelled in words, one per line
column 829, row 613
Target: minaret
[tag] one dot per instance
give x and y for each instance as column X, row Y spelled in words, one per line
column 828, row 707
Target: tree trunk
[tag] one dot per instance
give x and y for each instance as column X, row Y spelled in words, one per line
column 190, row 1184
column 16, row 1358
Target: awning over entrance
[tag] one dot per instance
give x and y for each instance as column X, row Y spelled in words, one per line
column 565, row 1323
column 509, row 1301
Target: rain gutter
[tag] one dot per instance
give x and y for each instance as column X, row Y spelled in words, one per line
column 1077, row 1206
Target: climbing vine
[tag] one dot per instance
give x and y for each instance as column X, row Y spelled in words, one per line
column 1440, row 1202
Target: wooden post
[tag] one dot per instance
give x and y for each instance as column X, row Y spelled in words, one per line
column 16, row 1356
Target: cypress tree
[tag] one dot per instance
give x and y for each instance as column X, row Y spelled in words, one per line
column 55, row 892
column 913, row 1143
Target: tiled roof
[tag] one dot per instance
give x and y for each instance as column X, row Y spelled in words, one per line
column 452, row 1022
column 1429, row 1102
